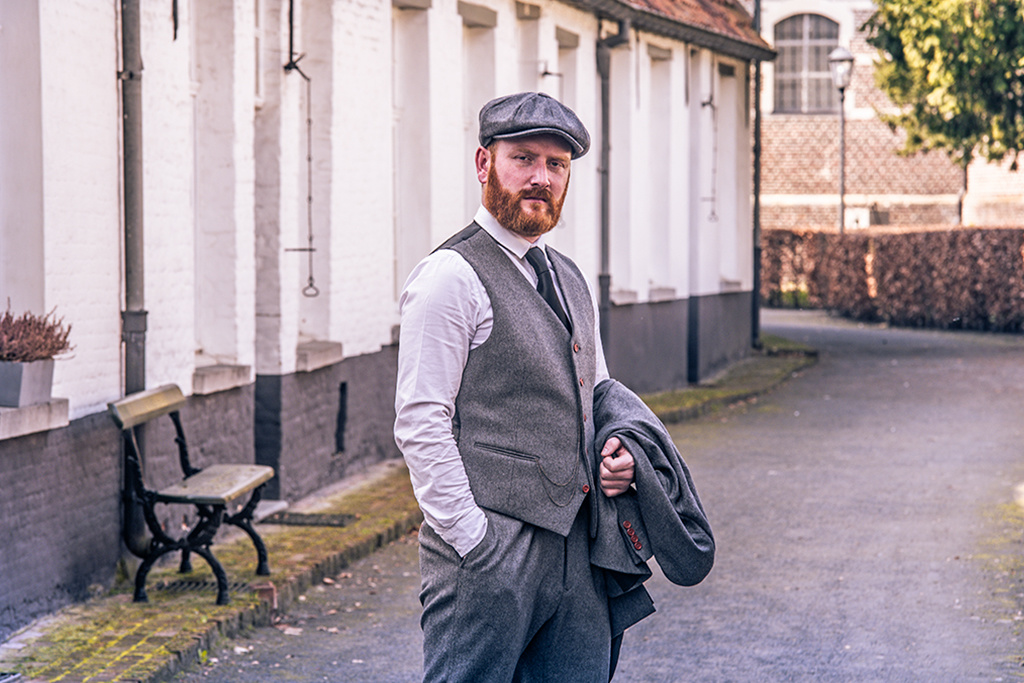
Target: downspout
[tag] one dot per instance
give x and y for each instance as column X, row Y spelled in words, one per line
column 604, row 278
column 133, row 318
column 755, row 322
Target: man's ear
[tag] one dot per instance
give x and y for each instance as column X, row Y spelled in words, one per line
column 483, row 163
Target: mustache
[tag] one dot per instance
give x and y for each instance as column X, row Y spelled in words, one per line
column 538, row 193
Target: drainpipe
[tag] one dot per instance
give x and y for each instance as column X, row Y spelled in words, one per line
column 755, row 326
column 133, row 318
column 604, row 278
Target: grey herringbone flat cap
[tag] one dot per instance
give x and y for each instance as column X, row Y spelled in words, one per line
column 532, row 113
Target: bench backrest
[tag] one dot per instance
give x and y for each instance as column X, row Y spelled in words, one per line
column 136, row 409
column 145, row 405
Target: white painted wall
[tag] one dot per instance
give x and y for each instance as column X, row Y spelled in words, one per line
column 225, row 182
column 361, row 207
column 81, row 203
column 395, row 95
column 168, row 183
column 280, row 192
column 680, row 173
column 21, row 159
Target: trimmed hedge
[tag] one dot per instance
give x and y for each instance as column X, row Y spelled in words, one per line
column 952, row 278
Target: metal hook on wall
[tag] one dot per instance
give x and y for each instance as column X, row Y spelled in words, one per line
column 310, row 290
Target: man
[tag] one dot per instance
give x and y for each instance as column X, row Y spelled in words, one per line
column 499, row 356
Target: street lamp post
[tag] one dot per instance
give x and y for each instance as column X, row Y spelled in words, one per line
column 840, row 62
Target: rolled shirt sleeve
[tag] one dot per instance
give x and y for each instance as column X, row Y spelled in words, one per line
column 444, row 309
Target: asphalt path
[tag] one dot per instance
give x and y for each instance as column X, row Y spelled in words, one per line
column 864, row 516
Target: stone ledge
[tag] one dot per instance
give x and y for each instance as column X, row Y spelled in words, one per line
column 314, row 355
column 213, row 378
column 729, row 286
column 624, row 297
column 41, row 417
column 659, row 294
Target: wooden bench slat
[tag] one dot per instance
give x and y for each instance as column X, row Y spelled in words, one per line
column 135, row 409
column 217, row 484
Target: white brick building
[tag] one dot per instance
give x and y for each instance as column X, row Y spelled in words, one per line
column 305, row 383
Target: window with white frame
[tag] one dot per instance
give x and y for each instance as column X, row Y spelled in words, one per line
column 803, row 84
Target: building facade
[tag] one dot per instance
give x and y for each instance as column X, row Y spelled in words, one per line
column 800, row 162
column 290, row 162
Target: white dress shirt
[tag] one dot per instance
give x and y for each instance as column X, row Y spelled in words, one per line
column 446, row 313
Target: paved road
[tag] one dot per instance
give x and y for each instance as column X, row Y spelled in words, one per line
column 865, row 525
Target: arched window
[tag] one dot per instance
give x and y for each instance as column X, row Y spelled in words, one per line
column 803, row 83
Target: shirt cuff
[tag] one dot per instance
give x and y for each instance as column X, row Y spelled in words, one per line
column 465, row 534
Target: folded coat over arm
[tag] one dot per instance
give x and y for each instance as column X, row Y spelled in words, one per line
column 662, row 517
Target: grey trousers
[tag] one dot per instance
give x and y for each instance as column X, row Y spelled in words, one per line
column 524, row 605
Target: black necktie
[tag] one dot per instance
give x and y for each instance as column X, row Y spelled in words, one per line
column 546, row 285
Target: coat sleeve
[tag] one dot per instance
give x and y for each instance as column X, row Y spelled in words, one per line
column 674, row 520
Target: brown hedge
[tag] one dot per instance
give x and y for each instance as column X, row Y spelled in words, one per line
column 968, row 278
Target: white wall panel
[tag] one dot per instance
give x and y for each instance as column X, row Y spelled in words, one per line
column 81, row 203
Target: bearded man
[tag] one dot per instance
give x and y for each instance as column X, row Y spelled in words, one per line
column 499, row 355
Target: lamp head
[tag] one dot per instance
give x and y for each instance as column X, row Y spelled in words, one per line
column 840, row 62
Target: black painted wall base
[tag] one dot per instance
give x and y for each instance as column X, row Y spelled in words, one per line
column 667, row 345
column 719, row 333
column 647, row 345
column 315, row 427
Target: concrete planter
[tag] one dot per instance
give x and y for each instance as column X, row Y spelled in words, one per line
column 25, row 384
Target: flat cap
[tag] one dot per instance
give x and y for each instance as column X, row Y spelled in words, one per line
column 532, row 113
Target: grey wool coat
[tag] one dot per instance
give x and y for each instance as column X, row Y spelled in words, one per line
column 662, row 517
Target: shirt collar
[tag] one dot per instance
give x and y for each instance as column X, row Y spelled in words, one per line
column 517, row 244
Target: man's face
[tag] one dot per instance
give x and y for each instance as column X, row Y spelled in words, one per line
column 526, row 180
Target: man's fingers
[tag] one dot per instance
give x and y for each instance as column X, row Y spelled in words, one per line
column 619, row 463
column 611, row 446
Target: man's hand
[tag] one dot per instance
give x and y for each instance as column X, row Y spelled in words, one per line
column 616, row 470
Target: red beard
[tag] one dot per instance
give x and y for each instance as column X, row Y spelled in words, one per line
column 505, row 206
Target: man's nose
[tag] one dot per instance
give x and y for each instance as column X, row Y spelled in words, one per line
column 540, row 176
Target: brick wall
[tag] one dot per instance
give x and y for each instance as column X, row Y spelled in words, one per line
column 800, row 158
column 59, row 517
column 800, row 155
column 317, row 427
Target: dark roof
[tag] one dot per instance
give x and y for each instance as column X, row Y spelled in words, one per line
column 720, row 25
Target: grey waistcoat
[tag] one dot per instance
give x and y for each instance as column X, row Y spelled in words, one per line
column 524, row 414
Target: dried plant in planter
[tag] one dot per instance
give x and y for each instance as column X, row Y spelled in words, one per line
column 30, row 337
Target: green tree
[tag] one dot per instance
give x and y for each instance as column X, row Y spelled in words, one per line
column 955, row 69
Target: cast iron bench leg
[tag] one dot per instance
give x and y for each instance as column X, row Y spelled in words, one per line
column 222, row 578
column 243, row 520
column 197, row 541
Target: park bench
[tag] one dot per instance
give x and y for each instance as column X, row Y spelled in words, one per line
column 210, row 490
